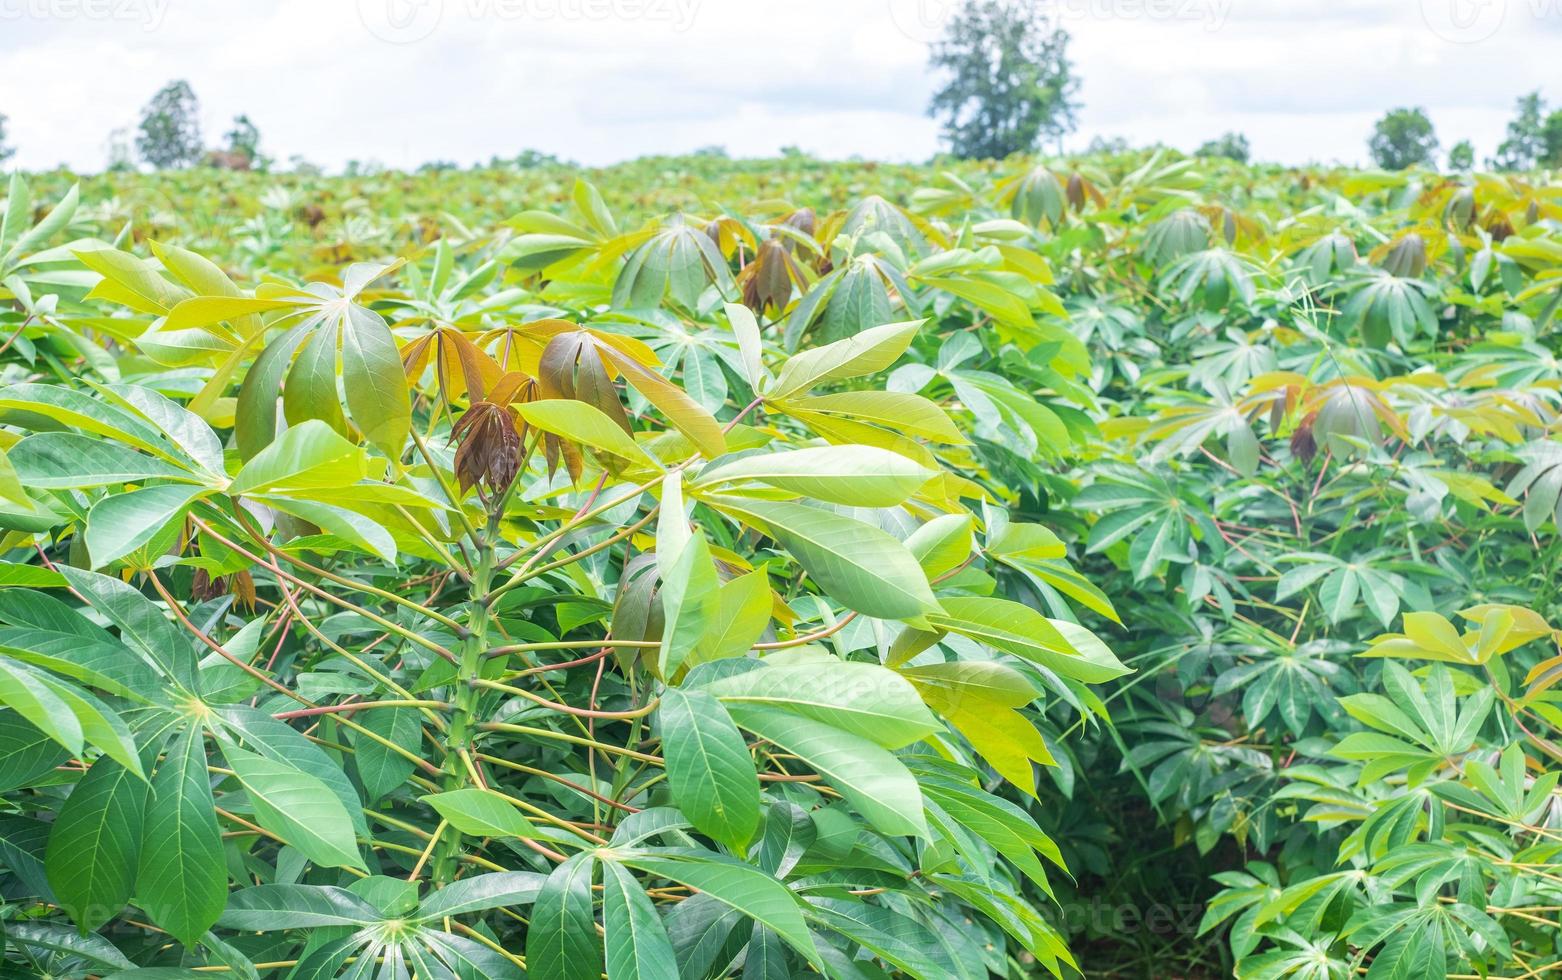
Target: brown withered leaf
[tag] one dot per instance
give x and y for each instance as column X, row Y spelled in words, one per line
column 516, row 388
column 242, row 585
column 583, row 364
column 489, row 451
column 803, row 219
column 729, row 234
column 1075, row 192
column 767, row 281
column 572, row 367
column 203, row 588
column 1498, row 225
column 1303, row 446
column 461, row 368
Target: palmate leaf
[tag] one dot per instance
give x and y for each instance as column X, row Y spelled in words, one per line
column 708, row 767
column 856, row 564
column 95, row 843
column 272, row 908
column 120, row 524
column 1020, row 630
column 677, row 261
column 857, row 476
column 298, row 807
column 481, row 813
column 1293, row 684
column 45, row 632
column 182, row 880
column 874, row 781
column 1155, row 512
column 1209, row 730
column 324, row 319
column 1388, row 308
column 637, row 946
column 561, row 943
column 864, row 699
column 733, row 883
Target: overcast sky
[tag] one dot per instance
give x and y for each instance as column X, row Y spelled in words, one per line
column 405, row 81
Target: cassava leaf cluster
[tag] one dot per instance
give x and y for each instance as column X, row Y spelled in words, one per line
column 733, row 568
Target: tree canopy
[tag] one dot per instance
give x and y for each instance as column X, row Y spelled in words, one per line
column 1009, row 86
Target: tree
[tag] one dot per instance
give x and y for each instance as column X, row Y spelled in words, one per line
column 1232, row 146
column 528, row 160
column 6, row 150
column 243, row 149
column 1534, row 137
column 1462, row 156
column 1403, row 138
column 170, row 131
column 1551, row 140
column 244, row 138
column 1011, row 84
column 1525, row 144
column 1108, row 145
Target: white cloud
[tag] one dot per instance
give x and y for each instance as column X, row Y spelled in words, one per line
column 602, row 80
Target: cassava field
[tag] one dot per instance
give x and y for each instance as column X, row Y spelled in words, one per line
column 1133, row 566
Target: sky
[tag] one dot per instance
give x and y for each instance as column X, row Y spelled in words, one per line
column 401, row 82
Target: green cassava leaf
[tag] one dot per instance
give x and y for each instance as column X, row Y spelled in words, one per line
column 182, row 880
column 708, row 767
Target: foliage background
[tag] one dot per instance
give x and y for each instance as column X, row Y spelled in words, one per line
column 1274, row 413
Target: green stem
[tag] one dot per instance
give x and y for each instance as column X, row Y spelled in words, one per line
column 463, row 720
column 528, row 572
column 496, row 726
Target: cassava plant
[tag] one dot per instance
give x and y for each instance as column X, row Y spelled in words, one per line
column 480, row 648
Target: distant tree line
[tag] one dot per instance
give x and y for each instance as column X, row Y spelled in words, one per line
column 1010, row 88
column 1405, row 138
column 168, row 137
